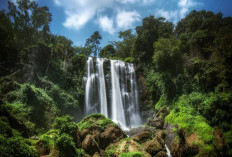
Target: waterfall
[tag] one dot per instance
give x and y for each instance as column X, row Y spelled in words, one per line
column 117, row 96
column 90, row 102
column 168, row 151
column 102, row 87
column 118, row 114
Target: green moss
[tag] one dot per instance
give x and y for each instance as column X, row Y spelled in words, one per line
column 81, row 152
column 133, row 154
column 95, row 120
column 129, row 59
column 109, row 153
column 185, row 116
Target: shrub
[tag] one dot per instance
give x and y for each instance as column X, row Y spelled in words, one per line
column 65, row 145
column 16, row 146
column 65, row 125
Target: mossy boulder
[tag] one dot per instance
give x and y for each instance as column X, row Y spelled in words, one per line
column 158, row 120
column 161, row 154
column 153, row 146
column 97, row 132
column 143, row 136
column 90, row 145
column 127, row 147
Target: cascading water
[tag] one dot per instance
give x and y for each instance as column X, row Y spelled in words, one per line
column 121, row 94
column 118, row 114
column 102, row 87
column 90, row 98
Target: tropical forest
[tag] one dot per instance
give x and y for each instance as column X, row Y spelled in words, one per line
column 162, row 89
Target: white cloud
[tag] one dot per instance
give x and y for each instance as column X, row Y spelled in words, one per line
column 134, row 1
column 80, row 12
column 169, row 15
column 126, row 19
column 184, row 7
column 106, row 24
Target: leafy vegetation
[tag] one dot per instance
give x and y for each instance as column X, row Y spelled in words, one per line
column 186, row 67
column 132, row 154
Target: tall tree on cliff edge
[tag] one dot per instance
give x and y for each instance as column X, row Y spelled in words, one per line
column 93, row 43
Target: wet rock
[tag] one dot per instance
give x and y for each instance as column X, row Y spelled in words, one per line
column 161, row 154
column 170, row 135
column 183, row 146
column 90, row 145
column 158, row 120
column 111, row 134
column 162, row 113
column 161, row 134
column 153, row 146
column 143, row 136
column 134, row 131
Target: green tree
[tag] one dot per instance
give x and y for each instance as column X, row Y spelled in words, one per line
column 169, row 65
column 151, row 30
column 124, row 48
column 107, row 51
column 93, row 43
column 31, row 22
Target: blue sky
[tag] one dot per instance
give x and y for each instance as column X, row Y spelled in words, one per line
column 78, row 19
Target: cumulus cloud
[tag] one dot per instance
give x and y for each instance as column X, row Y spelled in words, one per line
column 125, row 19
column 106, row 24
column 184, row 7
column 169, row 15
column 80, row 12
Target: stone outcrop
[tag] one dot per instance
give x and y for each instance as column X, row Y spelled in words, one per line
column 158, row 120
column 98, row 132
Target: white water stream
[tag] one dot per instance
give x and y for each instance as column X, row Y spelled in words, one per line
column 121, row 105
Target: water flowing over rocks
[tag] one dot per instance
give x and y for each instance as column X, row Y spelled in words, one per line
column 111, row 89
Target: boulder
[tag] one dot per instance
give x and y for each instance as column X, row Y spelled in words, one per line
column 90, row 145
column 158, row 120
column 143, row 136
column 162, row 113
column 161, row 154
column 126, row 146
column 111, row 134
column 98, row 132
column 153, row 146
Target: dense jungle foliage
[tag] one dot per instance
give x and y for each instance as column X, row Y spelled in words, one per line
column 187, row 67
